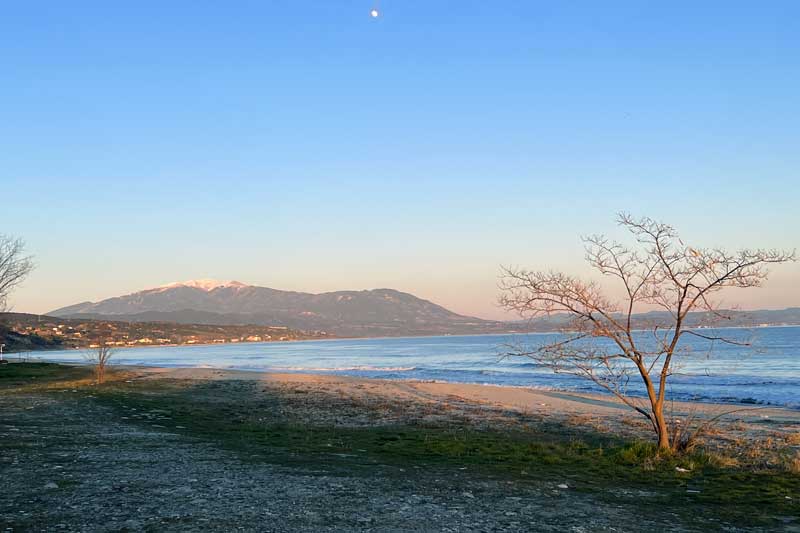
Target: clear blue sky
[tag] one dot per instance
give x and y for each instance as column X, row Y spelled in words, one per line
column 306, row 146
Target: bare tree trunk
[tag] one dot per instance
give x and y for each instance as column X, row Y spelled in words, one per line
column 656, row 410
column 661, row 427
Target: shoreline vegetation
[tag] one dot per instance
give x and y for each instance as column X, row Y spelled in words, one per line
column 497, row 457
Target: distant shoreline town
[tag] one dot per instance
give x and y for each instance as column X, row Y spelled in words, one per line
column 26, row 332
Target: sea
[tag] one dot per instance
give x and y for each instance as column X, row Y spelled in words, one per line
column 765, row 373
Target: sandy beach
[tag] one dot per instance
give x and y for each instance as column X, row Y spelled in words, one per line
column 490, row 404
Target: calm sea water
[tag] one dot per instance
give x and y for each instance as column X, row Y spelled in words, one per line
column 767, row 373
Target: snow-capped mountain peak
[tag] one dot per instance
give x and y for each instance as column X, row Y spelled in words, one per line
column 203, row 284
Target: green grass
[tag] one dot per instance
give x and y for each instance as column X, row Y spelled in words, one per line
column 248, row 421
column 15, row 375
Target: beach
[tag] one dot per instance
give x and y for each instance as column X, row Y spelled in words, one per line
column 176, row 449
column 765, row 375
column 498, row 404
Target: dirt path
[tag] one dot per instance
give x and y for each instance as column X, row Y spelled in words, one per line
column 69, row 464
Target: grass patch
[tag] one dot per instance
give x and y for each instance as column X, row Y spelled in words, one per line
column 40, row 375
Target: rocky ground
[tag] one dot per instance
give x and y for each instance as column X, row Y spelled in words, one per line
column 72, row 463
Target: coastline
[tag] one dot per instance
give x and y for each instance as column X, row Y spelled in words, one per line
column 331, row 338
column 200, row 373
column 466, row 361
column 598, row 411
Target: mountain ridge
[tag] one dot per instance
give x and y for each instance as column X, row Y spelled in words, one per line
column 369, row 312
column 350, row 313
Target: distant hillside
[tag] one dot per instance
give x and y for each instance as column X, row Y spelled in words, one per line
column 378, row 312
column 773, row 317
column 16, row 341
column 25, row 332
column 761, row 317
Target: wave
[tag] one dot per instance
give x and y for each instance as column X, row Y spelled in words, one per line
column 362, row 368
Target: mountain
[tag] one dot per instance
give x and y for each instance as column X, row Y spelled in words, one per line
column 697, row 319
column 735, row 318
column 378, row 312
column 369, row 313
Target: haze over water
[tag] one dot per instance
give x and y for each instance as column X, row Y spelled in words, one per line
column 766, row 373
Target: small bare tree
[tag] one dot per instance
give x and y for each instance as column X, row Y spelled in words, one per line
column 658, row 271
column 14, row 267
column 99, row 357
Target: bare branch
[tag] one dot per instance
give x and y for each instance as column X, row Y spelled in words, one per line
column 658, row 270
column 14, row 267
column 716, row 338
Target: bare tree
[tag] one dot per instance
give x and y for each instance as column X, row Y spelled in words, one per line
column 14, row 267
column 99, row 357
column 659, row 271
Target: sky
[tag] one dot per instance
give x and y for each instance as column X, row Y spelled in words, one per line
column 307, row 146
